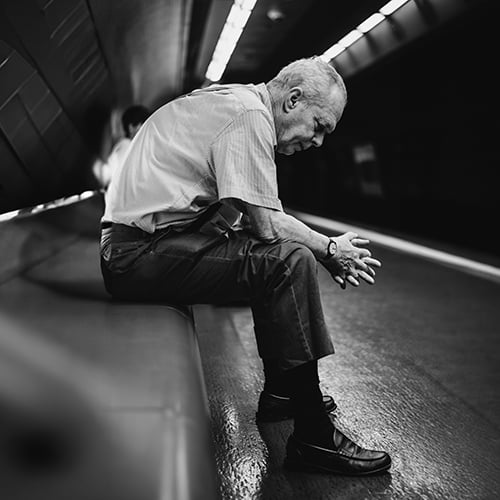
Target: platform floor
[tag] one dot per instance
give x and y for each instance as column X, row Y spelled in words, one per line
column 416, row 372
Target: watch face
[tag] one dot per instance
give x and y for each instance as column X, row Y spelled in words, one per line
column 331, row 248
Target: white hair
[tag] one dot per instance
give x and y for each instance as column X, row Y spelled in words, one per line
column 314, row 75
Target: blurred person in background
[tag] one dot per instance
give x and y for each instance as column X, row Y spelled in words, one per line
column 131, row 120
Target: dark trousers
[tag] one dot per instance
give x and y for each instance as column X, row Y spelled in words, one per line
column 279, row 281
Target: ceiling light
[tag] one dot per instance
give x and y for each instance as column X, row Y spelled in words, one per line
column 350, row 38
column 392, row 6
column 245, row 4
column 237, row 17
column 275, row 14
column 332, row 52
column 231, row 32
column 9, row 215
column 363, row 28
column 371, row 22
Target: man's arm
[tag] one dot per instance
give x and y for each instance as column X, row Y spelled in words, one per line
column 349, row 262
column 273, row 226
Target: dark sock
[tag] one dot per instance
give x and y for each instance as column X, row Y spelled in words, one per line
column 275, row 380
column 312, row 423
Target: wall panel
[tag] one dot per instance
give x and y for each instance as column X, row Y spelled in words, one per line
column 42, row 148
column 16, row 187
column 55, row 96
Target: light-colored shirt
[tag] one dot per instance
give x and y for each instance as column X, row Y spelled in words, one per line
column 104, row 170
column 209, row 145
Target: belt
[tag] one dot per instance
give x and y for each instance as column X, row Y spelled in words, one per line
column 123, row 228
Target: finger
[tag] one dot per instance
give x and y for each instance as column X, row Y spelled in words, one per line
column 371, row 271
column 359, row 241
column 361, row 264
column 366, row 277
column 372, row 262
column 352, row 280
column 340, row 281
column 350, row 235
column 352, row 271
column 364, row 252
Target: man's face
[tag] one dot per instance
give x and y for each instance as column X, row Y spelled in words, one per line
column 300, row 126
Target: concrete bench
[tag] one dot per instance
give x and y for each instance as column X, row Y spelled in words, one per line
column 98, row 399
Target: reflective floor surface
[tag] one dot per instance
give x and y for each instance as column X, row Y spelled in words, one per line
column 416, row 372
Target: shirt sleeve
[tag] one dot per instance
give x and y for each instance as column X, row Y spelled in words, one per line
column 243, row 159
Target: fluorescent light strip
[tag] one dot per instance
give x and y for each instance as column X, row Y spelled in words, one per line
column 231, row 32
column 9, row 215
column 43, row 207
column 332, row 52
column 392, row 6
column 371, row 22
column 367, row 25
column 350, row 38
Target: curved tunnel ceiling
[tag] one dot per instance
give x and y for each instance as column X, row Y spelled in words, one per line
column 279, row 31
column 157, row 49
column 161, row 48
column 91, row 56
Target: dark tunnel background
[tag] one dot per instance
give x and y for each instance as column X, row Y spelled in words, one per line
column 415, row 152
column 424, row 127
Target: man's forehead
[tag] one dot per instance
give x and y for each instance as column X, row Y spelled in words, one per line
column 333, row 109
column 328, row 116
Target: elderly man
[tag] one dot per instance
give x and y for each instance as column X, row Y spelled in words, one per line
column 194, row 216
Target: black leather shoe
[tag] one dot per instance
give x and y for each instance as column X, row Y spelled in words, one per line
column 342, row 457
column 275, row 408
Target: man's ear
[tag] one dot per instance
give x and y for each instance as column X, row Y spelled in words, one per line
column 294, row 96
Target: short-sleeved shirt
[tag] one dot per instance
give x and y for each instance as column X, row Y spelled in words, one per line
column 104, row 171
column 208, row 145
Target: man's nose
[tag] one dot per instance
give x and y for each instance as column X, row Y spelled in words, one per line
column 318, row 140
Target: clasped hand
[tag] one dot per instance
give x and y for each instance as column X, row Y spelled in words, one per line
column 351, row 262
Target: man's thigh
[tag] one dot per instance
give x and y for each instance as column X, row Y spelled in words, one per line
column 192, row 268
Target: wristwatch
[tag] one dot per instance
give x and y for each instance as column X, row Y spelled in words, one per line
column 331, row 249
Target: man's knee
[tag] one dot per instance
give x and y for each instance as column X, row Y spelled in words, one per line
column 297, row 259
column 298, row 254
column 285, row 263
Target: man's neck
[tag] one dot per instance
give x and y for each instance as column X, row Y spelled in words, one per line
column 274, row 105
